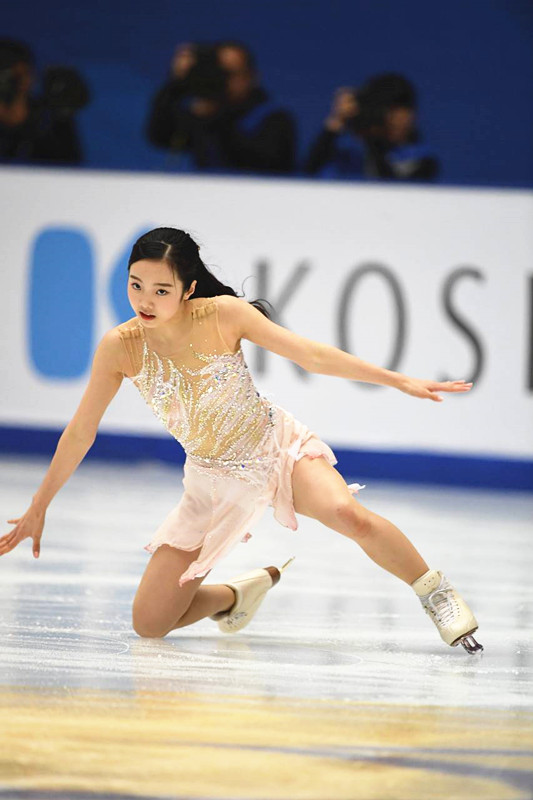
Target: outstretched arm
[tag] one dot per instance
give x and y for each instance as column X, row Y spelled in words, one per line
column 75, row 441
column 247, row 322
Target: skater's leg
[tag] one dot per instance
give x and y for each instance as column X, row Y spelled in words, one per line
column 320, row 492
column 161, row 605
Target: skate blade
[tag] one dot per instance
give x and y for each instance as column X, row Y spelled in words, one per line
column 287, row 563
column 470, row 644
column 275, row 573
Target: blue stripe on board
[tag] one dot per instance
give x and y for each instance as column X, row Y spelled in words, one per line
column 410, row 467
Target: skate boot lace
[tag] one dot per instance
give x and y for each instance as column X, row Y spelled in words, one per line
column 442, row 605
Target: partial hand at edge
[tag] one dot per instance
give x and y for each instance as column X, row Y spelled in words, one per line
column 29, row 526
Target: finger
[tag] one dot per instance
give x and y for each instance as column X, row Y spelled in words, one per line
column 9, row 533
column 14, row 520
column 464, row 387
column 14, row 534
column 453, row 386
column 36, row 548
column 6, row 548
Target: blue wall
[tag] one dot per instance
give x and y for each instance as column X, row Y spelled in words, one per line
column 362, row 465
column 471, row 59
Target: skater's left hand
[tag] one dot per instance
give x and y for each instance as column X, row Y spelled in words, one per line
column 429, row 389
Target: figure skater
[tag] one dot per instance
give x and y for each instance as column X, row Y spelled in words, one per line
column 182, row 351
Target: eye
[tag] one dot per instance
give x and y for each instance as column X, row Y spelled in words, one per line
column 134, row 285
column 162, row 290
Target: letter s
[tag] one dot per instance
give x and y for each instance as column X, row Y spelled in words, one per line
column 459, row 321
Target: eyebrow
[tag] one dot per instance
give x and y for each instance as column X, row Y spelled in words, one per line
column 155, row 284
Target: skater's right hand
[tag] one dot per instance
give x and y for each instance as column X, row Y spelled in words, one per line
column 29, row 526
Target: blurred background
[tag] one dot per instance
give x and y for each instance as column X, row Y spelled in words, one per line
column 366, row 167
column 470, row 66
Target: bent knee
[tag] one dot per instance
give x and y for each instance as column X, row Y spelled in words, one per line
column 148, row 628
column 353, row 519
column 148, row 632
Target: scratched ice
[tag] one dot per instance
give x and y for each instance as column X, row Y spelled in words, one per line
column 336, row 627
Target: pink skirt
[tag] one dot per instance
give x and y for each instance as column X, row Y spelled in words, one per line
column 217, row 511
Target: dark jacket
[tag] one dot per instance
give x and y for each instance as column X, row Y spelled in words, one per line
column 45, row 136
column 343, row 155
column 257, row 136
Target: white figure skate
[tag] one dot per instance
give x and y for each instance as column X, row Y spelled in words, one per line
column 448, row 610
column 250, row 591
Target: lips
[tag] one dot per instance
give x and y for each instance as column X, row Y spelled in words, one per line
column 146, row 316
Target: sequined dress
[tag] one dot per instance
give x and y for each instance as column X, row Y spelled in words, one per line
column 240, row 448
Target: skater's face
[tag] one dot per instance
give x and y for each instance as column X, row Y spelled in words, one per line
column 155, row 292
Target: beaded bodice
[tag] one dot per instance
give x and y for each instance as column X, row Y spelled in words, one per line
column 204, row 395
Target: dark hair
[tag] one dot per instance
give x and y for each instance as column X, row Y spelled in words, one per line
column 14, row 52
column 182, row 254
column 391, row 90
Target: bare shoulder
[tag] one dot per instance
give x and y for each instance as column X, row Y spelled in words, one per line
column 111, row 340
column 110, row 353
column 237, row 314
column 229, row 304
column 126, row 329
column 247, row 322
column 232, row 315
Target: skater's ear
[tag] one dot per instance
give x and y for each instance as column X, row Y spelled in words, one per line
column 190, row 291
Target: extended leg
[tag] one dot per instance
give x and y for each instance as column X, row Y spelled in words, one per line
column 320, row 492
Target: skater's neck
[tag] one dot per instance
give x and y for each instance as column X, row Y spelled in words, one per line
column 171, row 335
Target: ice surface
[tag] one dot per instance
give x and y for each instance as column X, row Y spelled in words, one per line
column 337, row 627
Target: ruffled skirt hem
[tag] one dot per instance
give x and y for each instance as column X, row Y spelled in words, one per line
column 217, row 512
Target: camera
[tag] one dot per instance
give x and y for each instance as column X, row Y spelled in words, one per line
column 206, row 79
column 64, row 90
column 375, row 98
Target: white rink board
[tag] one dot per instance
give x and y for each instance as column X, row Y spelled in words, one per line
column 422, row 236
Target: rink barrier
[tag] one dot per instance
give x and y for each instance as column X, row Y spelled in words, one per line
column 420, row 285
column 402, row 466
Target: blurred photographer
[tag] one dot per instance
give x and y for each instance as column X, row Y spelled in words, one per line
column 371, row 132
column 215, row 115
column 38, row 128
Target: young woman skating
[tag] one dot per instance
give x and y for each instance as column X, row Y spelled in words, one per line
column 182, row 351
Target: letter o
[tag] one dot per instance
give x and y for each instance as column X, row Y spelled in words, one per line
column 347, row 291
